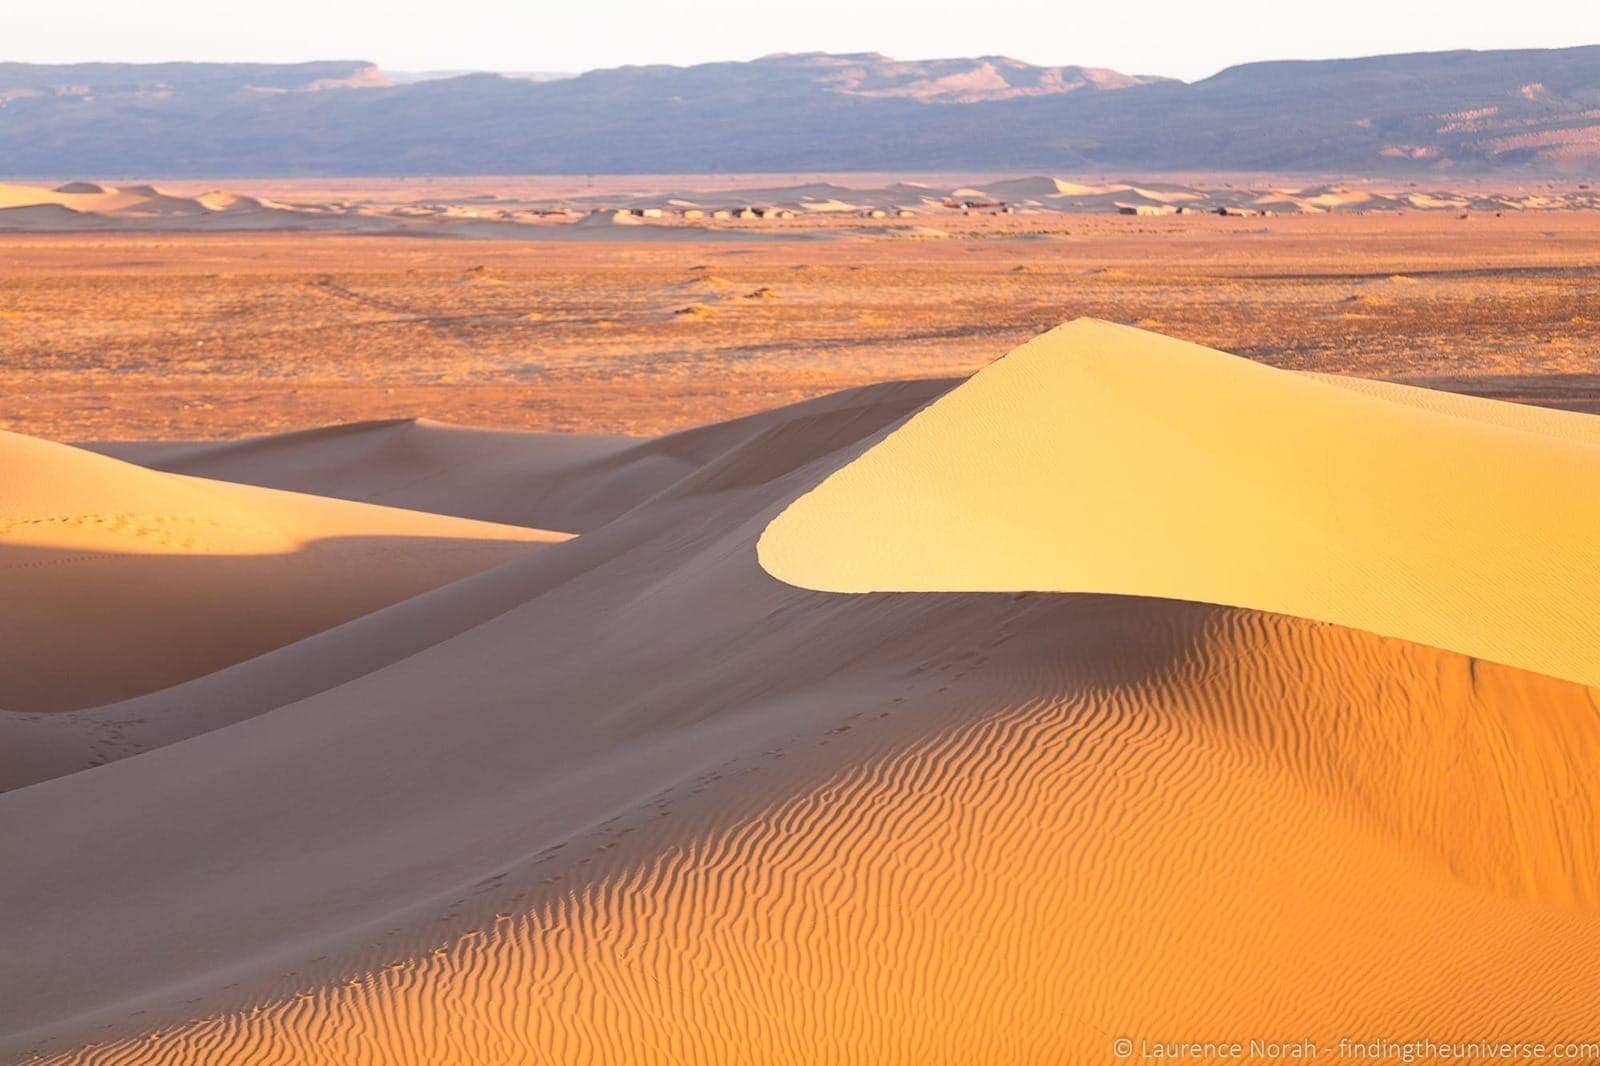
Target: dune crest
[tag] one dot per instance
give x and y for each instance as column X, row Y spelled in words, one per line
column 1099, row 458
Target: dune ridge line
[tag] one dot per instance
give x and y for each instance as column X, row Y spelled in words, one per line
column 1100, row 458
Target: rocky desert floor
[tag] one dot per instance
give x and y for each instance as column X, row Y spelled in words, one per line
column 211, row 335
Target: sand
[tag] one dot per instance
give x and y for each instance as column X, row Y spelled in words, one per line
column 121, row 580
column 91, row 206
column 1153, row 467
column 631, row 797
column 131, row 337
column 669, row 209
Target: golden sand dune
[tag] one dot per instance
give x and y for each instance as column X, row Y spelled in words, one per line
column 1147, row 466
column 1093, row 854
column 630, row 799
column 120, row 580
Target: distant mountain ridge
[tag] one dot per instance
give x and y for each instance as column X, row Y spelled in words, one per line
column 1426, row 113
column 949, row 81
column 109, row 80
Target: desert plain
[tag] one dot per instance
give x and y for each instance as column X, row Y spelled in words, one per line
column 180, row 335
column 1051, row 636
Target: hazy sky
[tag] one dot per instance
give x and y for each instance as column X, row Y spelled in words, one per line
column 1181, row 39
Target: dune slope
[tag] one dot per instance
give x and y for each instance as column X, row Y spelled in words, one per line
column 1106, row 848
column 650, row 804
column 120, row 580
column 547, row 480
column 572, row 482
column 493, row 475
column 1098, row 458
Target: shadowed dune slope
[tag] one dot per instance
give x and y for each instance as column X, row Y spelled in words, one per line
column 361, row 461
column 547, row 480
column 493, row 475
column 1098, row 458
column 119, row 580
column 662, row 807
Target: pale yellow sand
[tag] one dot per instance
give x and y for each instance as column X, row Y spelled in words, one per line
column 1099, row 458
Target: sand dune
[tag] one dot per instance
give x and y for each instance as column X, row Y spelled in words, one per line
column 121, row 580
column 130, row 202
column 665, row 211
column 82, row 205
column 1335, row 504
column 576, row 483
column 486, row 474
column 80, row 195
column 631, row 798
column 546, row 480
